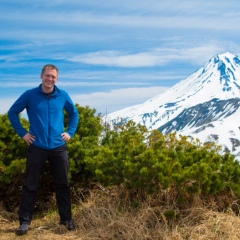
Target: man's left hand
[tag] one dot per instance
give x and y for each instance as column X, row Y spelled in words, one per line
column 65, row 136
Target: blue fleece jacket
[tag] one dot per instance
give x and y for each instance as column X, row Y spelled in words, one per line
column 46, row 116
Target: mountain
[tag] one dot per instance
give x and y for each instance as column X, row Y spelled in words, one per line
column 205, row 105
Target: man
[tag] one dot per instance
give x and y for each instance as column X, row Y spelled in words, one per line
column 47, row 141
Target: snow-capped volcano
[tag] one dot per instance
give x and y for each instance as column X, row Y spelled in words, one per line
column 205, row 105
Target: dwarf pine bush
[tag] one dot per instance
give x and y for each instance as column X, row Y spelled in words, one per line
column 129, row 156
column 154, row 162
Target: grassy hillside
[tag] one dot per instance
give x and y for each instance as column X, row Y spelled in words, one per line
column 119, row 214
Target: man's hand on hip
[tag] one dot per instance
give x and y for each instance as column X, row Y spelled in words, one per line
column 29, row 138
column 65, row 136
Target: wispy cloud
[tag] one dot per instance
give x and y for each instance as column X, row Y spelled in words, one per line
column 77, row 19
column 120, row 98
column 120, row 59
column 155, row 57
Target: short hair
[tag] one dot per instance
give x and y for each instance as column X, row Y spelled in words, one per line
column 49, row 66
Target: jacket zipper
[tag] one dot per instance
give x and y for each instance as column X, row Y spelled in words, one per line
column 49, row 119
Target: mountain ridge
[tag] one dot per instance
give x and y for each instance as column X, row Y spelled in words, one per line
column 212, row 92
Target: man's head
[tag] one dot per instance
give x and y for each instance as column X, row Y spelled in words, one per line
column 49, row 66
column 49, row 77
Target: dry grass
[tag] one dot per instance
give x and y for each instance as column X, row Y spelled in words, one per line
column 113, row 216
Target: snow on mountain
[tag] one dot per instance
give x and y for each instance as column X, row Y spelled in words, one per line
column 215, row 120
column 205, row 105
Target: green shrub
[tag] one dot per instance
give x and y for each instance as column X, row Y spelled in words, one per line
column 157, row 162
column 129, row 155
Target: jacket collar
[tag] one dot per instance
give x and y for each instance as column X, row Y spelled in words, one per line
column 56, row 90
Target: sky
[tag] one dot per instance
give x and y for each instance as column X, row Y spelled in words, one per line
column 111, row 54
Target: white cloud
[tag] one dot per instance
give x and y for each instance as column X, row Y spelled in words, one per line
column 115, row 58
column 155, row 57
column 117, row 99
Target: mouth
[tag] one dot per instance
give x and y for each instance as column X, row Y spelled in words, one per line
column 48, row 82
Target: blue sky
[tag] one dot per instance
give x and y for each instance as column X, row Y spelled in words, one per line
column 111, row 54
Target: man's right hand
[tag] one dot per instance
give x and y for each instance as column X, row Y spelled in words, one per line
column 29, row 138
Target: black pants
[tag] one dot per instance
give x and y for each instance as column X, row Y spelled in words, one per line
column 58, row 161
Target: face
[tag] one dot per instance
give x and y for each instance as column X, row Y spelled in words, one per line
column 49, row 79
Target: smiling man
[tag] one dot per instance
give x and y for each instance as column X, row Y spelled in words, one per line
column 47, row 140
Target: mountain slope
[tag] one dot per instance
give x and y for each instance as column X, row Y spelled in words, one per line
column 215, row 120
column 209, row 96
column 201, row 114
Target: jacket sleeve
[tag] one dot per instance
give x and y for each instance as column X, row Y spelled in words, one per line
column 73, row 116
column 13, row 114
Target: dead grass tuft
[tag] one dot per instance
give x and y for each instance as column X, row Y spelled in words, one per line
column 126, row 215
